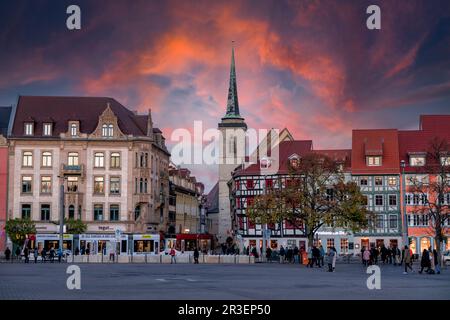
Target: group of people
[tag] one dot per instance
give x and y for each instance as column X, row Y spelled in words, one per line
column 50, row 255
column 391, row 255
column 429, row 260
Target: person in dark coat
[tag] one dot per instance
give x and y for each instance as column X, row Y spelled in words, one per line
column 289, row 254
column 316, row 256
column 43, row 254
column 425, row 261
column 77, row 251
column 282, row 253
column 269, row 254
column 52, row 254
column 196, row 255
column 26, row 254
column 18, row 253
column 296, row 252
column 7, row 253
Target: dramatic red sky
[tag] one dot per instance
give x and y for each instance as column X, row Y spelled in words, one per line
column 310, row 66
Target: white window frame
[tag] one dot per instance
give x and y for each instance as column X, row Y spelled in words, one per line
column 99, row 159
column 29, row 128
column 47, row 129
column 414, row 158
column 47, row 159
column 374, row 161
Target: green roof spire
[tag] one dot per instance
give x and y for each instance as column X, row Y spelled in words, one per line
column 232, row 102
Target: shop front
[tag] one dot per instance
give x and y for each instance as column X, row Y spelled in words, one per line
column 377, row 242
column 49, row 241
column 188, row 242
column 102, row 244
column 146, row 243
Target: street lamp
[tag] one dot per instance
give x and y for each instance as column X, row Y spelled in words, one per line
column 61, row 213
column 404, row 217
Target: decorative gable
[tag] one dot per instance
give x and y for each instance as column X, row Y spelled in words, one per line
column 107, row 126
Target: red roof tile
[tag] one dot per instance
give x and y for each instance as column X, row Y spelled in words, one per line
column 375, row 142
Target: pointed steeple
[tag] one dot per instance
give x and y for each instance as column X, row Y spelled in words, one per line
column 232, row 102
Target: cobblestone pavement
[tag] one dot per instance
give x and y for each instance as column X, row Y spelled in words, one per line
column 236, row 282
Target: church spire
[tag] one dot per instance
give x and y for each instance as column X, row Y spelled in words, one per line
column 232, row 102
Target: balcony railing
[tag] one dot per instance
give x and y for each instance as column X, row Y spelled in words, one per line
column 72, row 169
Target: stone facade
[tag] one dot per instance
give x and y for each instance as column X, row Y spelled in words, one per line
column 114, row 177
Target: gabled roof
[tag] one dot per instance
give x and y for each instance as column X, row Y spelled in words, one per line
column 382, row 142
column 84, row 109
column 418, row 141
column 285, row 150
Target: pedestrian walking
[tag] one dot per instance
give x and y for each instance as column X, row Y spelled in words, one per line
column 172, row 255
column 18, row 253
column 282, row 253
column 7, row 253
column 366, row 257
column 43, row 254
column 334, row 258
column 60, row 254
column 296, row 252
column 425, row 261
column 35, row 254
column 52, row 254
column 269, row 254
column 407, row 257
column 322, row 255
column 316, row 256
column 437, row 261
column 26, row 253
column 310, row 257
column 330, row 259
column 196, row 255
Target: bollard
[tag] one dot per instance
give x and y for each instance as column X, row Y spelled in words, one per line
column 146, row 257
column 234, row 259
column 219, row 258
column 160, row 258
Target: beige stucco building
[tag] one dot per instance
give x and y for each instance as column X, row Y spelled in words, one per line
column 112, row 163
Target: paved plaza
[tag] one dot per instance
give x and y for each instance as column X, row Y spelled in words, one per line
column 233, row 282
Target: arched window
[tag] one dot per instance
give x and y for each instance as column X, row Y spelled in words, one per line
column 104, row 130
column 425, row 243
column 107, row 130
column 137, row 212
column 110, row 130
column 73, row 129
column 71, row 212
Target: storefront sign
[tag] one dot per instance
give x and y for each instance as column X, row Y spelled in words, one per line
column 105, row 228
column 41, row 237
column 99, row 236
column 146, row 237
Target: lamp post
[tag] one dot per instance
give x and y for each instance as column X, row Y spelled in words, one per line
column 403, row 194
column 61, row 215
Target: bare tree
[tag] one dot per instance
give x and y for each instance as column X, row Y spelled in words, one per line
column 434, row 191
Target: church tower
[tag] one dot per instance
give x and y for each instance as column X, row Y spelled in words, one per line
column 231, row 152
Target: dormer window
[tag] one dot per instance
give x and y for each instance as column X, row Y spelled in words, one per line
column 107, row 130
column 417, row 160
column 373, row 161
column 47, row 130
column 73, row 129
column 29, row 128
